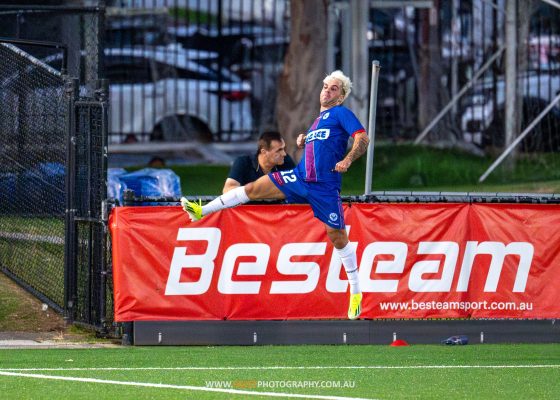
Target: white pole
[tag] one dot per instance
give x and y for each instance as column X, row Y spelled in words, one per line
column 375, row 67
column 511, row 126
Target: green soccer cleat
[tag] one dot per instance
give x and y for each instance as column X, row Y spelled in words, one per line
column 355, row 308
column 192, row 208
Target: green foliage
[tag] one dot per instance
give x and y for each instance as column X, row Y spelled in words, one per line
column 414, row 168
column 420, row 168
column 202, row 179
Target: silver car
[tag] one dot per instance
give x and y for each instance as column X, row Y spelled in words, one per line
column 164, row 94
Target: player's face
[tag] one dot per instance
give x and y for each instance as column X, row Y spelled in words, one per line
column 276, row 153
column 331, row 94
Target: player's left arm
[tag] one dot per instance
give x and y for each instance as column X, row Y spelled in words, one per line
column 361, row 142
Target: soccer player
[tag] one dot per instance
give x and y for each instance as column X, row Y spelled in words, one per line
column 316, row 179
column 270, row 157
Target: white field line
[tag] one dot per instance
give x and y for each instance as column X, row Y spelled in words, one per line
column 281, row 367
column 177, row 387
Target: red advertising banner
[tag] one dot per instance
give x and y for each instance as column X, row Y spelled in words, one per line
column 276, row 262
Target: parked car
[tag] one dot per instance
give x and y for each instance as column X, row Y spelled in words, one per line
column 254, row 52
column 482, row 120
column 167, row 93
column 163, row 93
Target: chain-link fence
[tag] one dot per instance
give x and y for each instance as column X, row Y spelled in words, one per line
column 52, row 185
column 33, row 121
column 79, row 28
column 53, row 132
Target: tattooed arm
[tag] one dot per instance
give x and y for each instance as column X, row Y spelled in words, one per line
column 361, row 141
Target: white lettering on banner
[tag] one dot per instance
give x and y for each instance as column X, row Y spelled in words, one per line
column 397, row 250
column 204, row 261
column 226, row 284
column 498, row 251
column 417, row 284
column 287, row 267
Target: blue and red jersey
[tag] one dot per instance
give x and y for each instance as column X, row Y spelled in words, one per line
column 326, row 143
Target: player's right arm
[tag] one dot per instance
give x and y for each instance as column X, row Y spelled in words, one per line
column 361, row 142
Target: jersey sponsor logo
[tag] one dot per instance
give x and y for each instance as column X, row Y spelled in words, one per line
column 326, row 115
column 333, row 217
column 384, row 266
column 317, row 134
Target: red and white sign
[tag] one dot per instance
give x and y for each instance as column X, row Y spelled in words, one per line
column 276, row 262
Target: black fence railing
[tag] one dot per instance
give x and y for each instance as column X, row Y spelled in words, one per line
column 131, row 199
column 89, row 293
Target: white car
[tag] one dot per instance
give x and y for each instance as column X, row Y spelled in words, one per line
column 163, row 93
column 167, row 93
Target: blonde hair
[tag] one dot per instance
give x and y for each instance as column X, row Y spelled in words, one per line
column 346, row 82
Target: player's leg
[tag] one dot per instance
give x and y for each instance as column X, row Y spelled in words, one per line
column 347, row 254
column 262, row 188
column 327, row 206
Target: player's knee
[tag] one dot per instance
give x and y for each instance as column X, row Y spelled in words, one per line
column 250, row 189
column 338, row 237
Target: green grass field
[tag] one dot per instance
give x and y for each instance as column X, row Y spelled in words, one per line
column 372, row 372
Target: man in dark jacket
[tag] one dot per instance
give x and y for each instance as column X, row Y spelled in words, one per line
column 270, row 157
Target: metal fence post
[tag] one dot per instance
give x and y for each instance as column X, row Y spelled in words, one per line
column 102, row 95
column 70, row 228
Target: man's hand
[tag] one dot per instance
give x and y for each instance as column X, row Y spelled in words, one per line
column 300, row 141
column 342, row 166
column 361, row 141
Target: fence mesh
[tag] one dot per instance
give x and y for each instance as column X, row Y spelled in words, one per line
column 77, row 28
column 33, row 118
column 91, row 280
column 52, row 236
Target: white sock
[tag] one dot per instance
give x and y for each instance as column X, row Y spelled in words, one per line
column 348, row 256
column 229, row 199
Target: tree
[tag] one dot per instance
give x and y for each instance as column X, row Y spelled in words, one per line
column 300, row 82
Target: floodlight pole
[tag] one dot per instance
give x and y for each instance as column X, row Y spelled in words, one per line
column 375, row 67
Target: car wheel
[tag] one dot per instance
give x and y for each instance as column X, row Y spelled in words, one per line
column 180, row 128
